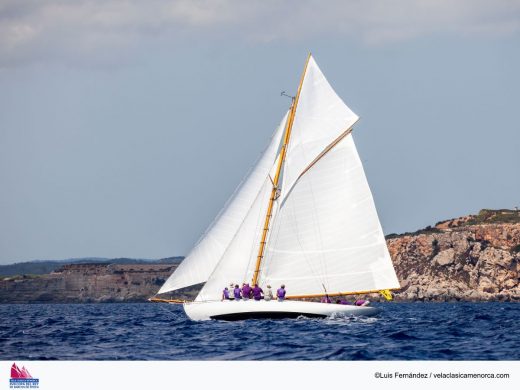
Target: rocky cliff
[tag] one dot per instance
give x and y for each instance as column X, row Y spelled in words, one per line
column 88, row 283
column 473, row 258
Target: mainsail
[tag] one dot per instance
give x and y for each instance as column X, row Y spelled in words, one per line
column 203, row 258
column 327, row 236
column 324, row 235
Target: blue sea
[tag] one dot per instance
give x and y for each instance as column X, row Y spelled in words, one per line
column 403, row 331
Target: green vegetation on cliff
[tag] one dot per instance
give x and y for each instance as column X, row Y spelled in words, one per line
column 495, row 216
column 485, row 216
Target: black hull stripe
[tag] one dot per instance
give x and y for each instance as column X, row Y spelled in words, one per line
column 264, row 315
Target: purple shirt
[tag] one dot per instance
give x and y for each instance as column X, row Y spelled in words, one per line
column 257, row 293
column 280, row 293
column 236, row 293
column 225, row 293
column 246, row 290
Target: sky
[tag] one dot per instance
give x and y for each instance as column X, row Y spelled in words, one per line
column 126, row 125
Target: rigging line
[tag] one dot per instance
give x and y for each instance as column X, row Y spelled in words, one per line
column 170, row 312
column 271, row 234
column 317, row 228
column 275, row 135
column 308, row 260
column 295, row 226
column 261, row 271
column 276, row 210
column 305, row 256
column 258, row 233
column 215, row 271
column 237, row 189
column 273, row 238
column 283, row 153
column 254, row 241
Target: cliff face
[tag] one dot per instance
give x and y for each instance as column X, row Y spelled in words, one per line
column 474, row 258
column 461, row 262
column 88, row 283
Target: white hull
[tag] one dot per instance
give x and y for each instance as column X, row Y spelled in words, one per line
column 239, row 310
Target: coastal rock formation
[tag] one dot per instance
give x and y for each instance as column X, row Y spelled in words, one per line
column 459, row 261
column 472, row 258
column 88, row 283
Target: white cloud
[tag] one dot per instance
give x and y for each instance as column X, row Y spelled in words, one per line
column 86, row 29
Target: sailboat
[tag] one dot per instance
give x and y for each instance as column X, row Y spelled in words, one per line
column 303, row 217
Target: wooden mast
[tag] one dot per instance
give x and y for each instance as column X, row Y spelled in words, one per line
column 283, row 152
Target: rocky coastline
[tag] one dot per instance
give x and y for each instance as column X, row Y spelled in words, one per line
column 466, row 263
column 471, row 258
column 87, row 283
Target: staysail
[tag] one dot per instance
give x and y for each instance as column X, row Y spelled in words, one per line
column 203, row 258
column 237, row 263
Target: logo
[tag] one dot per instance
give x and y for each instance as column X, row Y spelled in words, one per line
column 21, row 379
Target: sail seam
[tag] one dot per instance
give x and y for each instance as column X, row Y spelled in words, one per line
column 353, row 248
column 336, row 274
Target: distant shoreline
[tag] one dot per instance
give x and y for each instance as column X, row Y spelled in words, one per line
column 474, row 258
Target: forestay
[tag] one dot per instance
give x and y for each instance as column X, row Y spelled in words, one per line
column 203, row 258
column 238, row 261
